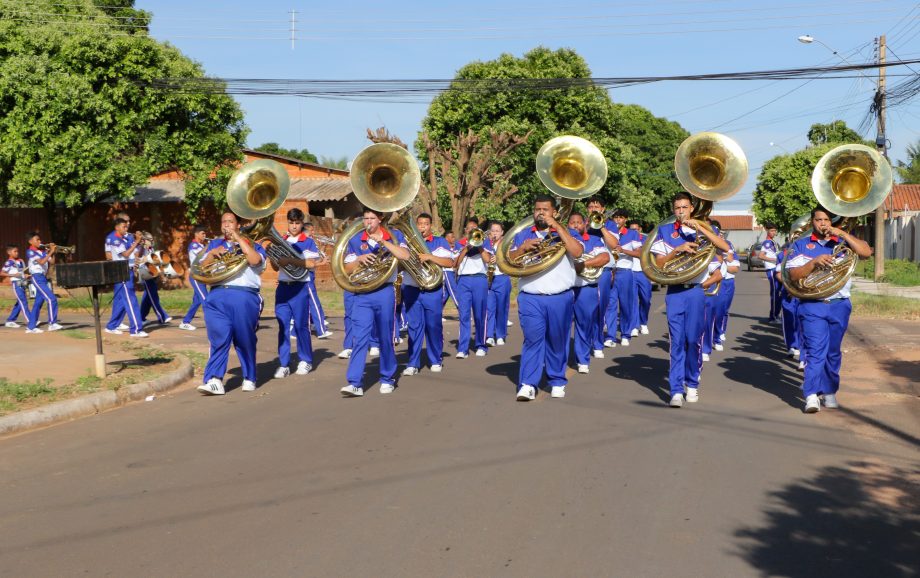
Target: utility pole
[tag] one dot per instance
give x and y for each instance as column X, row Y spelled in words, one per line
column 881, row 142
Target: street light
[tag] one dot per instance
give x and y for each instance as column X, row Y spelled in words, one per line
column 776, row 144
column 808, row 39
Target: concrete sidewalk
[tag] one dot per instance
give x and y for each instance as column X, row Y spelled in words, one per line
column 870, row 287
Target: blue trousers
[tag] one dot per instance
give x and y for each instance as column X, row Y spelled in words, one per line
column 376, row 309
column 587, row 302
column 199, row 294
column 685, row 309
column 626, row 299
column 22, row 304
column 348, row 299
column 497, row 307
column 723, row 304
column 790, row 322
column 423, row 312
column 604, row 286
column 643, row 298
column 823, row 326
column 124, row 302
column 316, row 315
column 775, row 294
column 472, row 295
column 546, row 321
column 43, row 293
column 232, row 318
column 291, row 305
column 450, row 288
column 150, row 299
column 710, row 310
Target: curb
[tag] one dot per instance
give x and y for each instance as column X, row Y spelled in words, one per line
column 94, row 403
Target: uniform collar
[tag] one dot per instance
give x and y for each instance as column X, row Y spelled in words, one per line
column 119, row 235
column 301, row 237
column 833, row 238
column 429, row 238
column 677, row 225
column 623, row 230
column 551, row 229
column 585, row 236
column 386, row 235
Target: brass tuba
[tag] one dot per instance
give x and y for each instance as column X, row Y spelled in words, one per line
column 572, row 168
column 711, row 167
column 849, row 181
column 385, row 177
column 255, row 191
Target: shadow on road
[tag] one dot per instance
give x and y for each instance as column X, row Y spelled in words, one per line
column 859, row 520
column 509, row 370
column 649, row 372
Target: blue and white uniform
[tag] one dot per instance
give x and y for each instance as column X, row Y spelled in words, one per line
column 472, row 298
column 374, row 309
column 450, row 278
column 710, row 309
column 823, row 322
column 498, row 303
column 151, row 297
column 770, row 250
column 587, row 302
column 685, row 309
column 726, row 296
column 624, row 292
column 643, row 289
column 608, row 311
column 43, row 290
column 199, row 289
column 15, row 268
column 292, row 299
column 423, row 311
column 789, row 305
column 124, row 300
column 315, row 314
column 545, row 307
column 231, row 313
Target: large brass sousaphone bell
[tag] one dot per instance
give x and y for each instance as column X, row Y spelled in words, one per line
column 572, row 168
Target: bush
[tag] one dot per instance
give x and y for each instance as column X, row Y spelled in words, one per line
column 897, row 271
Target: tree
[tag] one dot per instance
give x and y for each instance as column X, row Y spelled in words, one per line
column 834, row 132
column 274, row 148
column 78, row 124
column 333, row 162
column 783, row 192
column 909, row 173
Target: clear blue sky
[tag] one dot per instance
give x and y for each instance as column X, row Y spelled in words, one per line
column 354, row 39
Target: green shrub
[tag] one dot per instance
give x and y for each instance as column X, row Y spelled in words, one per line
column 897, row 271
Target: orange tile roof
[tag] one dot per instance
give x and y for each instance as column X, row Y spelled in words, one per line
column 904, row 198
column 736, row 222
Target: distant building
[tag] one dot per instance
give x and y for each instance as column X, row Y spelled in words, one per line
column 740, row 227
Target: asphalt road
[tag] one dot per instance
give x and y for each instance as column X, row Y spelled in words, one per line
column 449, row 476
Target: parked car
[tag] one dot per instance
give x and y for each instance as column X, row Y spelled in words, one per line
column 753, row 256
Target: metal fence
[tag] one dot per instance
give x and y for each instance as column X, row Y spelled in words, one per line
column 902, row 238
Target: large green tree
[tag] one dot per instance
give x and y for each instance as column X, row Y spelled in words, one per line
column 835, row 131
column 909, row 172
column 274, row 148
column 629, row 137
column 78, row 124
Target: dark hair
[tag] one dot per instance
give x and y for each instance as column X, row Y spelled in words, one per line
column 715, row 224
column 770, row 225
column 229, row 212
column 424, row 216
column 32, row 234
column 621, row 213
column 11, row 246
column 365, row 210
column 595, row 199
column 119, row 221
column 543, row 198
column 821, row 208
column 309, row 224
column 682, row 196
column 446, row 233
column 199, row 229
column 472, row 219
column 496, row 222
column 295, row 215
column 576, row 214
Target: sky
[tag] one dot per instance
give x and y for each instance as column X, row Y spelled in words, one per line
column 356, row 39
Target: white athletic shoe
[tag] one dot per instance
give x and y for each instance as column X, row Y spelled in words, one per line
column 303, row 368
column 722, row 338
column 624, row 342
column 634, row 333
column 705, row 357
column 114, row 331
column 527, row 393
column 140, row 334
column 166, row 321
column 462, row 355
column 830, row 401
column 812, row 404
column 325, row 335
column 583, row 368
column 352, row 391
column 599, row 354
column 558, row 391
column 248, row 385
column 373, row 351
column 409, row 371
column 282, row 372
column 490, row 342
column 12, row 325
column 293, row 336
column 480, row 353
column 717, row 346
column 212, row 387
column 610, row 343
column 386, row 388
column 677, row 400
column 499, row 341
column 436, row 368
column 796, row 354
column 36, row 330
column 123, row 327
column 510, row 323
column 345, row 354
column 55, row 327
column 693, row 395
column 643, row 329
column 326, row 323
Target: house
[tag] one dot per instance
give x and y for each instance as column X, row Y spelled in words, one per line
column 740, row 228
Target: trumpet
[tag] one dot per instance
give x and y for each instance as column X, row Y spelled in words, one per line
column 476, row 238
column 60, row 249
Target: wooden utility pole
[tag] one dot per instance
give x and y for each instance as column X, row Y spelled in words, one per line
column 881, row 141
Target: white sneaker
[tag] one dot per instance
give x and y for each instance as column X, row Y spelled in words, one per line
column 436, row 368
column 303, row 368
column 293, row 336
column 558, row 391
column 462, row 355
column 510, row 323
column 583, row 368
column 599, row 354
column 693, row 395
column 325, row 323
column 705, row 357
column 718, row 347
column 526, row 393
column 248, row 385
column 802, row 365
column 114, row 331
column 55, row 327
column 499, row 341
column 480, row 353
column 830, row 401
column 812, row 404
column 643, row 329
column 36, row 330
column 187, row 327
column 677, row 400
column 796, row 354
column 373, row 351
column 722, row 338
column 123, row 327
column 166, row 321
column 282, row 372
column 634, row 333
column 397, row 341
column 490, row 342
column 345, row 354
column 386, row 388
column 352, row 391
column 140, row 334
column 624, row 342
column 12, row 325
column 325, row 335
column 212, row 387
column 610, row 343
column 409, row 371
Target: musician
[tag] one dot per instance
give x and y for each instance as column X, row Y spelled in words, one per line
column 423, row 307
column 151, row 298
column 450, row 276
column 545, row 303
column 607, row 321
column 38, row 260
column 231, row 311
column 199, row 289
column 825, row 321
column 768, row 251
column 684, row 303
column 712, row 286
column 374, row 308
column 472, row 292
column 348, row 341
column 624, row 289
column 316, row 313
column 586, row 293
column 120, row 245
column 292, row 299
column 725, row 297
column 15, row 270
column 498, row 303
column 789, row 305
column 643, row 287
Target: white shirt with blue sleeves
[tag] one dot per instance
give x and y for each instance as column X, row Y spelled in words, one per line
column 438, row 247
column 806, row 249
column 558, row 278
column 362, row 244
column 672, row 235
column 250, row 276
